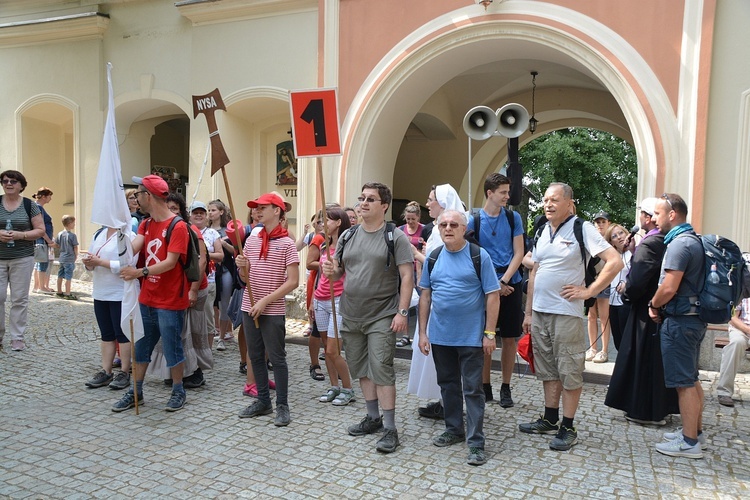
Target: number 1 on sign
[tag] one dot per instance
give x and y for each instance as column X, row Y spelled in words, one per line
column 314, row 113
column 315, row 125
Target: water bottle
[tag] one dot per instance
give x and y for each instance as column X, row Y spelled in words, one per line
column 9, row 227
column 713, row 276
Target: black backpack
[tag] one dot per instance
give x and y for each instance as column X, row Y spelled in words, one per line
column 476, row 259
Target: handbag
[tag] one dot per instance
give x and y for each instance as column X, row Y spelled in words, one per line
column 526, row 351
column 234, row 308
column 41, row 254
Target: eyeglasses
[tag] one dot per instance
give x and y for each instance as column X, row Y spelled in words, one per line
column 140, row 192
column 453, row 225
column 665, row 196
column 362, row 199
column 10, row 181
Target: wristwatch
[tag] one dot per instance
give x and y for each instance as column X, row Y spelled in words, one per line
column 403, row 312
column 144, row 271
column 489, row 334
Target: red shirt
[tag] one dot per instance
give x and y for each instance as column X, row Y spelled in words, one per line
column 167, row 290
column 199, row 234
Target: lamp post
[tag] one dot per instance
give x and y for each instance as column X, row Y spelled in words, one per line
column 533, row 121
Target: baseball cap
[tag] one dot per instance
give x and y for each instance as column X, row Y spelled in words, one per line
column 198, row 205
column 601, row 214
column 154, row 185
column 647, row 205
column 270, row 199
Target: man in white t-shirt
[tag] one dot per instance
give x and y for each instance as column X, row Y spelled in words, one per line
column 554, row 310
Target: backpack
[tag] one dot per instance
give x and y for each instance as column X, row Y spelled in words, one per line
column 474, row 251
column 387, row 234
column 26, row 206
column 472, row 235
column 716, row 301
column 191, row 266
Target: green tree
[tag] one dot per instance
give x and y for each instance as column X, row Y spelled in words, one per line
column 600, row 167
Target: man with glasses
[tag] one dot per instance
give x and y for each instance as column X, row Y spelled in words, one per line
column 164, row 296
column 457, row 319
column 681, row 332
column 374, row 308
column 554, row 310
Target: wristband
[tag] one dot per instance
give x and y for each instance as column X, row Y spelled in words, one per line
column 504, row 283
column 651, row 306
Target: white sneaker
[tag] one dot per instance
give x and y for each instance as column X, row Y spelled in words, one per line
column 601, row 357
column 220, row 346
column 679, row 448
column 590, row 354
column 677, row 434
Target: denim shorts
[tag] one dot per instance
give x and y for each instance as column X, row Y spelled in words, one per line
column 41, row 266
column 165, row 324
column 681, row 338
column 66, row 270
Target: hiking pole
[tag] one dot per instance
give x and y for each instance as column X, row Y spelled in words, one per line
column 319, row 164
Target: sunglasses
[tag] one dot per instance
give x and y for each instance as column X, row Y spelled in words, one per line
column 140, row 192
column 10, row 181
column 362, row 199
column 665, row 196
column 453, row 225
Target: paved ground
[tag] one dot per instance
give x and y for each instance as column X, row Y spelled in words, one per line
column 60, row 440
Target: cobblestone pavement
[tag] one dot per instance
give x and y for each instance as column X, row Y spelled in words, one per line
column 60, row 440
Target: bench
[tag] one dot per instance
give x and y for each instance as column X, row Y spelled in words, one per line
column 722, row 342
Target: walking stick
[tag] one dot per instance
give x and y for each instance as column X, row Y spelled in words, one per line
column 132, row 366
column 319, row 164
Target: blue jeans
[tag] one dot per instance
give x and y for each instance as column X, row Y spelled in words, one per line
column 268, row 338
column 457, row 367
column 165, row 324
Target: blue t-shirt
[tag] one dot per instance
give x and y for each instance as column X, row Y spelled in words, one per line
column 685, row 254
column 499, row 245
column 458, row 310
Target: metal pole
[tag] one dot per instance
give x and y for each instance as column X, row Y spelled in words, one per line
column 470, row 184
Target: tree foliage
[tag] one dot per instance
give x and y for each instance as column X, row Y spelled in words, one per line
column 600, row 167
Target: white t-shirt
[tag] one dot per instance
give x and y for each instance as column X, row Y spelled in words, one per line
column 615, row 298
column 560, row 264
column 107, row 282
column 209, row 237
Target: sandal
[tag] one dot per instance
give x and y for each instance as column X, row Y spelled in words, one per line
column 315, row 373
column 403, row 342
column 70, row 296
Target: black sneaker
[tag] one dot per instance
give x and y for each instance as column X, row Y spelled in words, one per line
column 506, row 401
column 256, row 409
column 447, row 439
column 476, row 456
column 367, row 425
column 127, row 401
column 433, row 410
column 100, row 379
column 540, row 426
column 389, row 442
column 121, row 381
column 194, row 381
column 282, row 416
column 565, row 439
column 176, row 401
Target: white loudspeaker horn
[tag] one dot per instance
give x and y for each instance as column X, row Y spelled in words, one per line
column 481, row 122
column 513, row 120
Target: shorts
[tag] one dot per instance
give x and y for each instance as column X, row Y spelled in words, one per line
column 66, row 270
column 107, row 314
column 323, row 315
column 164, row 324
column 510, row 318
column 41, row 266
column 559, row 343
column 604, row 294
column 370, row 348
column 681, row 338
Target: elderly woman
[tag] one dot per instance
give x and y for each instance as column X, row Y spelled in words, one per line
column 422, row 374
column 21, row 223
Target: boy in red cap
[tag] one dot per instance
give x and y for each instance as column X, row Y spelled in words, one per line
column 272, row 256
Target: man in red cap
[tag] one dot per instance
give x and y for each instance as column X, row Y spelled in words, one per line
column 165, row 291
column 272, row 256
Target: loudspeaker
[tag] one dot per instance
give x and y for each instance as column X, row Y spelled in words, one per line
column 513, row 120
column 480, row 123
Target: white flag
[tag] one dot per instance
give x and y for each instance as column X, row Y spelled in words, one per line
column 111, row 210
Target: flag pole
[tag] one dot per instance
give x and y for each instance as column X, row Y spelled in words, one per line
column 319, row 165
column 132, row 366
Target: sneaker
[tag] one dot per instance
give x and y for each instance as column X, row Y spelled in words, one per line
column 677, row 434
column 17, row 345
column 725, row 400
column 256, row 409
column 389, row 442
column 195, row 380
column 447, row 439
column 250, row 390
column 176, row 401
column 282, row 416
column 243, row 368
column 120, row 381
column 601, row 357
column 433, row 410
column 476, row 456
column 540, row 426
column 345, row 397
column 220, row 346
column 488, row 393
column 127, row 401
column 330, row 395
column 590, row 354
column 322, row 356
column 367, row 425
column 506, row 401
column 565, row 439
column 100, row 379
column 228, row 337
column 679, row 448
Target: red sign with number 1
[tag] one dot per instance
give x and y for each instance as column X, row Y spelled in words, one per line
column 315, row 122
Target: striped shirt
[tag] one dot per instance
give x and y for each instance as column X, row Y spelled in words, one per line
column 267, row 275
column 20, row 221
